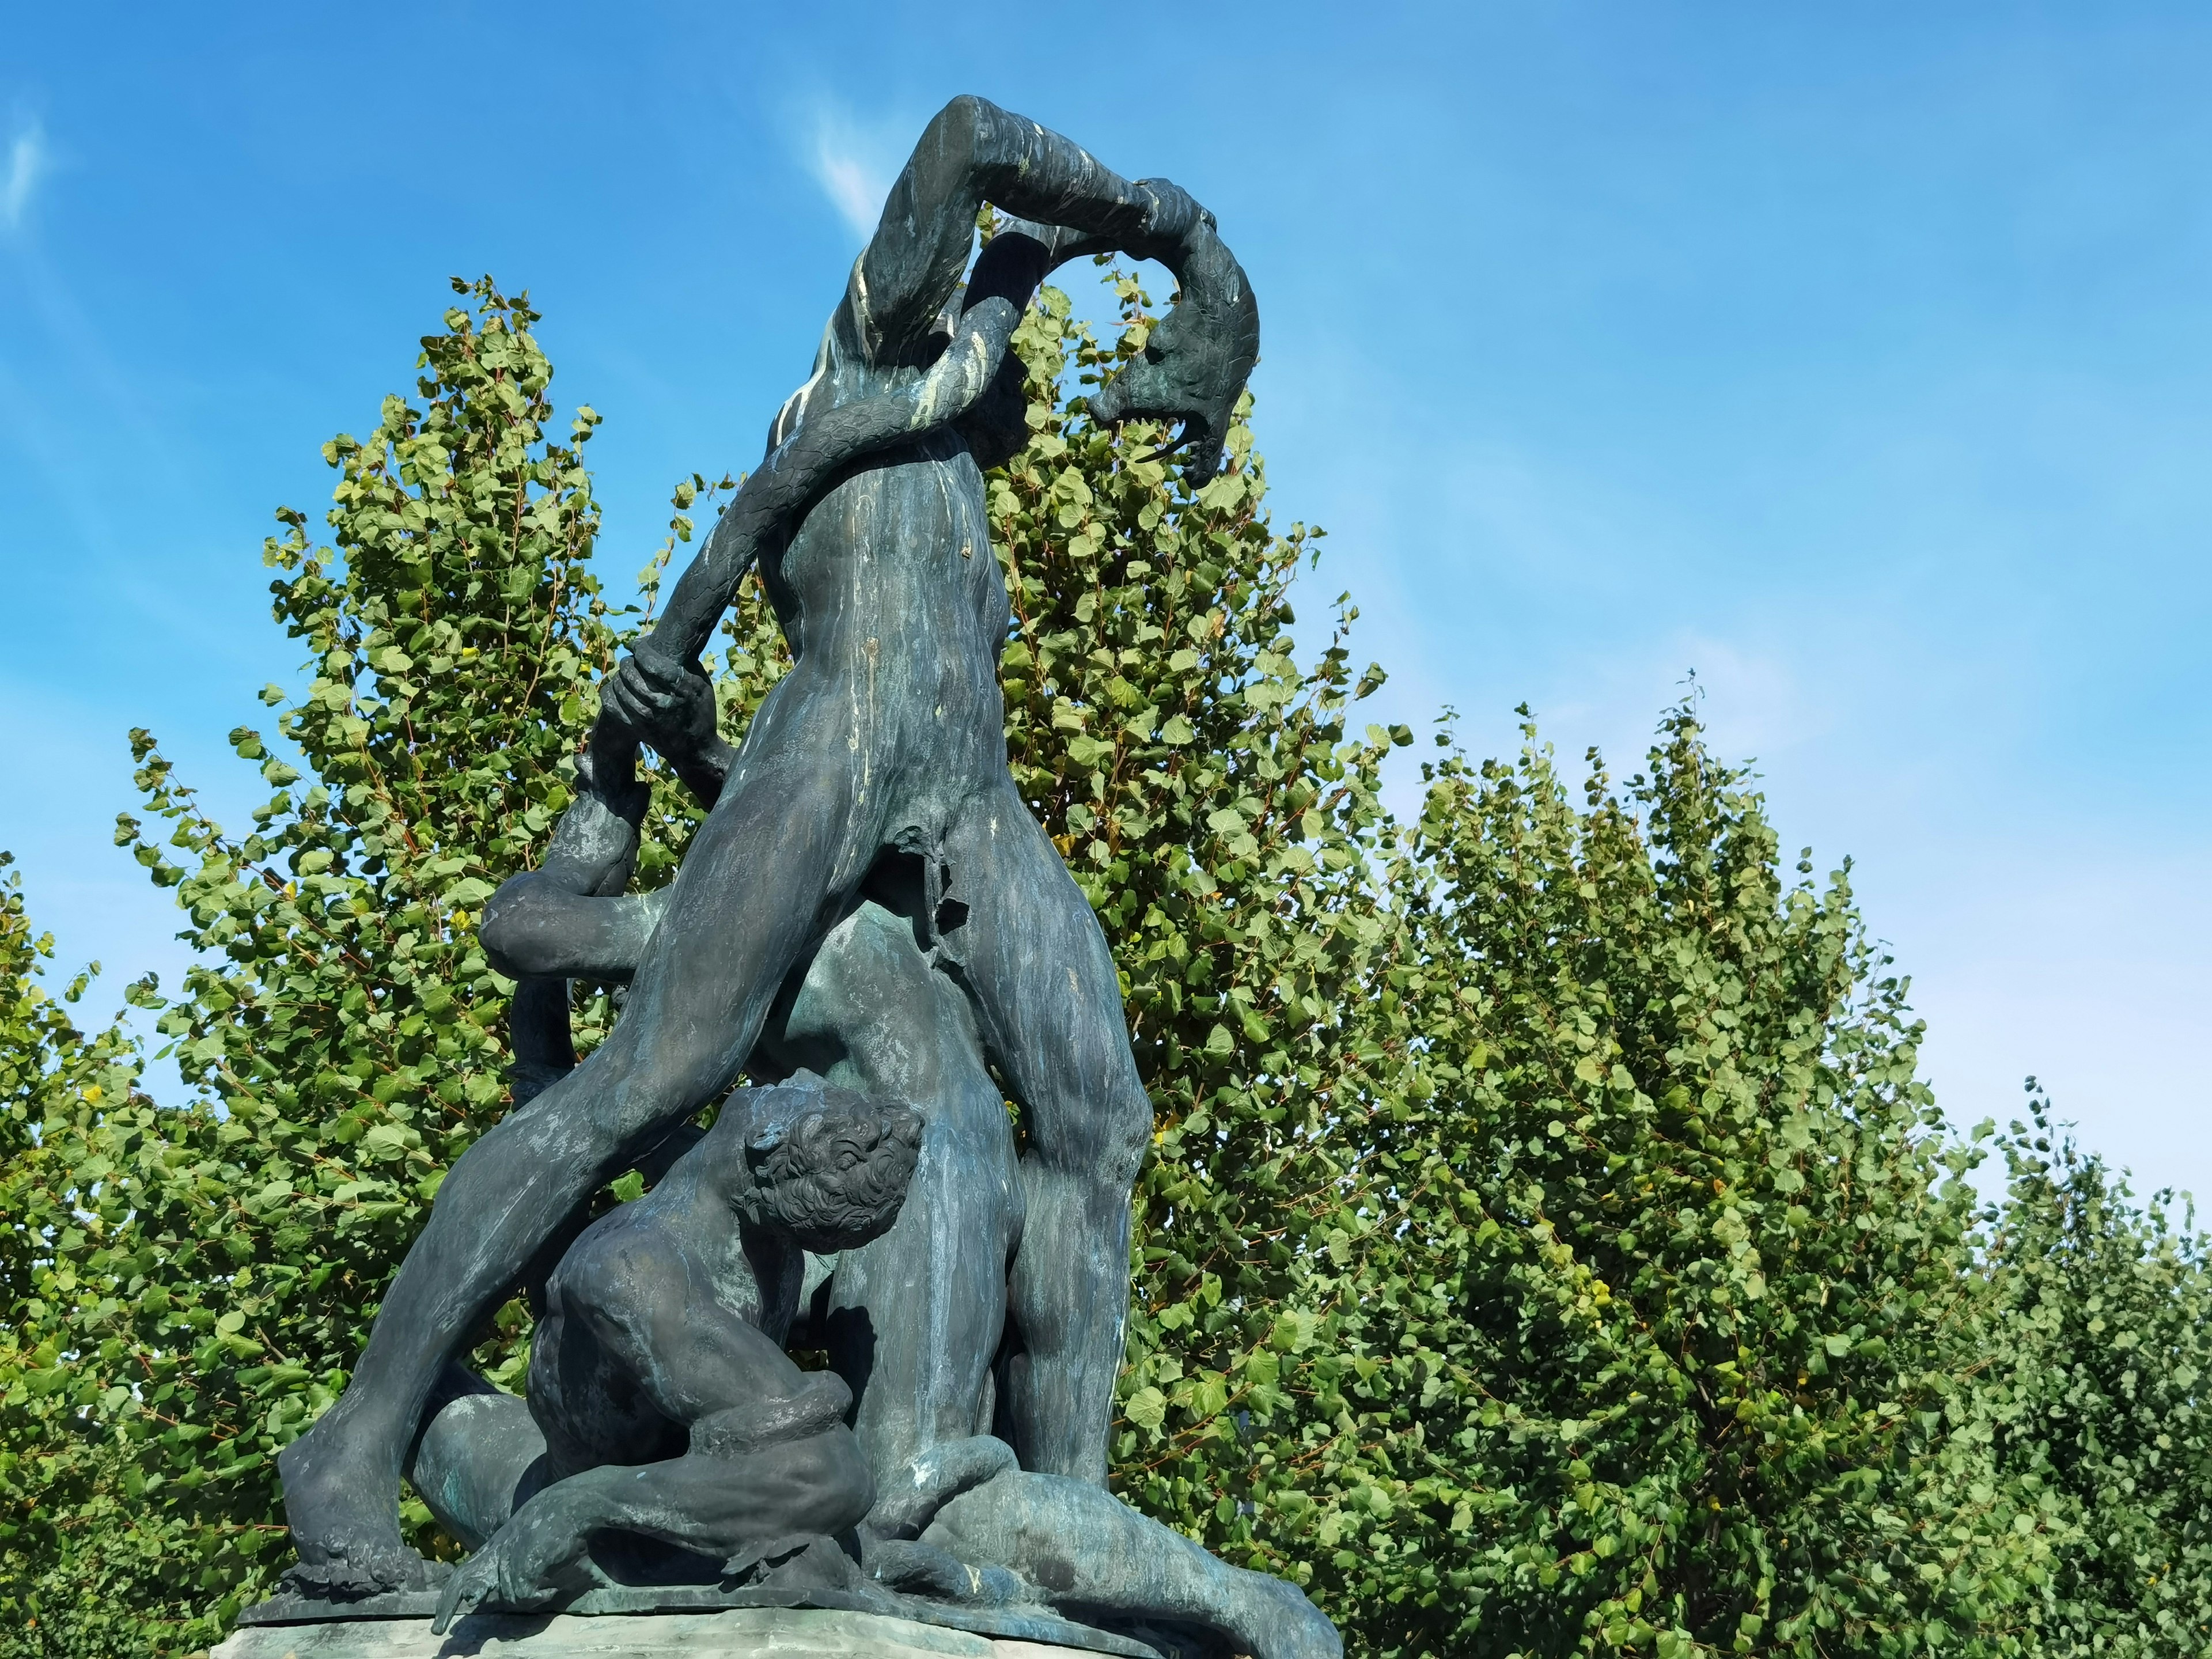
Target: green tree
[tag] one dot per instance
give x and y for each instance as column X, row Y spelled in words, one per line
column 48, row 1067
column 1668, row 1289
column 2104, row 1316
column 1548, row 1246
column 1647, row 1294
column 214, row 1264
column 55, row 1508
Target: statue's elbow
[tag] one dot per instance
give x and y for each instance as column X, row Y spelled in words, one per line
column 505, row 934
column 959, row 128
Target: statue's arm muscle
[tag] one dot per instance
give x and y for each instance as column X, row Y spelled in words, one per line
column 971, row 153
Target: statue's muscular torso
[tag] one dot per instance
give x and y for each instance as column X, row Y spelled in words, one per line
column 896, row 612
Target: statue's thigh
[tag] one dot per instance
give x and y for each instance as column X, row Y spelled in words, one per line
column 776, row 861
column 472, row 1461
column 1047, row 998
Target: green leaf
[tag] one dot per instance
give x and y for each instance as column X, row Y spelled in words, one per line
column 1147, row 1408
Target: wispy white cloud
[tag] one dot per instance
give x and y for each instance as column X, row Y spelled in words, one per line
column 853, row 164
column 1760, row 698
column 28, row 159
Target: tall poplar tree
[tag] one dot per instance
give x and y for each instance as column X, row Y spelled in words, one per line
column 1547, row 1247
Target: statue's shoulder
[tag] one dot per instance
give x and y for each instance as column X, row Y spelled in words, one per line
column 851, row 366
column 620, row 1253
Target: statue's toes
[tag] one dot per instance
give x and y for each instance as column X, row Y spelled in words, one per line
column 927, row 1570
column 363, row 1574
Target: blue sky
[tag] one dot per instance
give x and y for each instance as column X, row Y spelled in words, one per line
column 1859, row 359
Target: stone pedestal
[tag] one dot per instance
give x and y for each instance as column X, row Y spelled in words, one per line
column 730, row 1633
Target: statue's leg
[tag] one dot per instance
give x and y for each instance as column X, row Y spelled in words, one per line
column 1087, row 1551
column 481, row 1455
column 765, row 1457
column 711, row 1501
column 913, row 1318
column 774, row 859
column 1035, row 961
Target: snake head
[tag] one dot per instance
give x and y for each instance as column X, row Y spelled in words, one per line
column 1195, row 364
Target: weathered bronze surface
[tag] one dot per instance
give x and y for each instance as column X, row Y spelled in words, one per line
column 872, row 928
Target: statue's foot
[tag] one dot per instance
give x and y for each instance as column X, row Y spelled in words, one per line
column 343, row 1508
column 925, row 1569
column 339, row 1580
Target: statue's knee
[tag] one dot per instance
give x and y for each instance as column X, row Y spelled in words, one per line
column 844, row 1478
column 796, row 1455
column 1103, row 1142
column 656, row 1081
column 821, row 1483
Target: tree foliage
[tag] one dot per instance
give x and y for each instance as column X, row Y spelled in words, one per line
column 2105, row 1324
column 215, row 1264
column 1547, row 1247
column 1671, row 1286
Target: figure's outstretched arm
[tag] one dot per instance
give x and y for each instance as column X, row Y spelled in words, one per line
column 972, row 152
column 705, row 1501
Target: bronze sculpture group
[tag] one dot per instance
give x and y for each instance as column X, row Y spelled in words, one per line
column 870, row 925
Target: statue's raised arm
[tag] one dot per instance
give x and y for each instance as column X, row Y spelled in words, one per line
column 973, row 152
column 1065, row 203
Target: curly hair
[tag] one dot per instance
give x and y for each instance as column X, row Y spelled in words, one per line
column 836, row 1175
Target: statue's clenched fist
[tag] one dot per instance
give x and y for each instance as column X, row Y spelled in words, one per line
column 668, row 703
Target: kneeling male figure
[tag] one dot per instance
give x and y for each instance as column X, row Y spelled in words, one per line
column 662, row 1403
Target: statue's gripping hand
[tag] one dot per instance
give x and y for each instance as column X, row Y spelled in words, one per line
column 665, row 702
column 539, row 1558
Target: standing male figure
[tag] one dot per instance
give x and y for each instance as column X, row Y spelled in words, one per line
column 886, row 737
